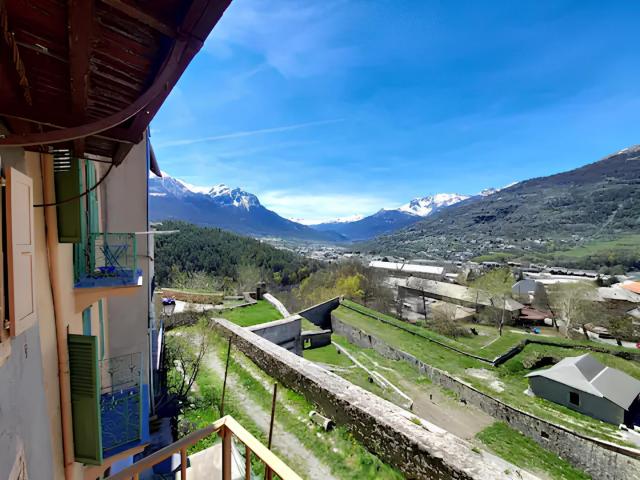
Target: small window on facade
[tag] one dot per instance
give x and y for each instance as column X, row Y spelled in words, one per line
column 574, row 398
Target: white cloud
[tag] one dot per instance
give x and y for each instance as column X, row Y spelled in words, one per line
column 245, row 133
column 298, row 38
column 318, row 208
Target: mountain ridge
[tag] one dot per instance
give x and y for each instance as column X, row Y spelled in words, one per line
column 543, row 214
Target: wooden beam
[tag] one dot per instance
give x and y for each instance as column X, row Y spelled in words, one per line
column 143, row 17
column 80, row 27
column 121, row 153
column 199, row 20
column 58, row 121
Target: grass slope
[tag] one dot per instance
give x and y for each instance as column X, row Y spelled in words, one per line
column 525, row 453
column 511, row 374
column 261, row 312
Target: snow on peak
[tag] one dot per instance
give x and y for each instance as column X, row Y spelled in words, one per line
column 221, row 194
column 349, row 219
column 426, row 205
column 193, row 188
column 490, row 191
column 233, row 196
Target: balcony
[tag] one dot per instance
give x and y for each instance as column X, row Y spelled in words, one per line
column 109, row 261
column 124, row 411
column 225, row 458
column 110, row 404
column 106, row 266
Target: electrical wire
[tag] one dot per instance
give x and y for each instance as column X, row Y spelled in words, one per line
column 83, row 194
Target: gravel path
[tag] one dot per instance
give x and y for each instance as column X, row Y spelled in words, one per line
column 305, row 463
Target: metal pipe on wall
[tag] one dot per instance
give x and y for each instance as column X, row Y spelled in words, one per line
column 64, row 382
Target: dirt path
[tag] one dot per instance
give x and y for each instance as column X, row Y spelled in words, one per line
column 305, row 463
column 433, row 405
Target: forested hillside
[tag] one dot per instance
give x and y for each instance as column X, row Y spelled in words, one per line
column 222, row 254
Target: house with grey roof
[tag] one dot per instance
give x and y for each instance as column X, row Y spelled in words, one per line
column 587, row 386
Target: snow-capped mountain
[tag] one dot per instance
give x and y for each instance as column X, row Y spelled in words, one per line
column 221, row 194
column 389, row 220
column 224, row 207
column 426, row 205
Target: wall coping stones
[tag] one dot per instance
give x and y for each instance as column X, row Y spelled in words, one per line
column 418, row 451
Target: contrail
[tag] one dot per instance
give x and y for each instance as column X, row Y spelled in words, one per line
column 246, row 133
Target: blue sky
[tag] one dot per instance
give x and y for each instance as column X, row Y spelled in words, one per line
column 331, row 108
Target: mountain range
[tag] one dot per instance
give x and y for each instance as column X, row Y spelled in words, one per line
column 599, row 202
column 389, row 220
column 239, row 211
column 227, row 208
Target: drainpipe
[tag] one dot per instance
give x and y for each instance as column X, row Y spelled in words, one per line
column 64, row 382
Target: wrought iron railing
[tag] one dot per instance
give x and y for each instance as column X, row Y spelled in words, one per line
column 121, row 403
column 110, row 261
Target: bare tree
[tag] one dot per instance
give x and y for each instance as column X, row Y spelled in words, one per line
column 497, row 283
column 183, row 355
column 248, row 277
column 572, row 301
column 445, row 320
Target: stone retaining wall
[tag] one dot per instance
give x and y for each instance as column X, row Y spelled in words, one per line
column 285, row 333
column 320, row 315
column 589, row 455
column 418, row 451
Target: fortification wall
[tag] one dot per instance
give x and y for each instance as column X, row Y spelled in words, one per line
column 320, row 315
column 284, row 333
column 419, row 451
column 600, row 460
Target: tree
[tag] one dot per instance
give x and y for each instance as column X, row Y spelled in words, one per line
column 445, row 322
column 573, row 301
column 247, row 277
column 497, row 283
column 183, row 355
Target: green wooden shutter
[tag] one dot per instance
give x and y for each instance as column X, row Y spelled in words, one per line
column 67, row 184
column 85, row 399
column 94, row 223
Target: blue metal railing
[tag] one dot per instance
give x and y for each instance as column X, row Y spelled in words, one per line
column 124, row 412
column 110, row 261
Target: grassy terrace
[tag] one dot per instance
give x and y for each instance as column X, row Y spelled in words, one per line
column 510, row 374
column 344, row 456
column 488, row 344
column 522, row 452
column 498, row 438
column 261, row 312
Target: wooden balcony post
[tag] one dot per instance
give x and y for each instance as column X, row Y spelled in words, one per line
column 268, row 473
column 247, row 463
column 183, row 464
column 226, row 453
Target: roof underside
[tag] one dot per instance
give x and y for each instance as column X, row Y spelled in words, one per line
column 104, row 64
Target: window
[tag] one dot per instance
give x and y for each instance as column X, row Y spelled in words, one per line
column 574, row 398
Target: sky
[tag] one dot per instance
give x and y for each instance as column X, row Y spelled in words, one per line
column 326, row 109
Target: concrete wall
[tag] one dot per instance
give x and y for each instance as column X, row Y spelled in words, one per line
column 125, row 210
column 419, row 451
column 600, row 460
column 285, row 333
column 595, row 407
column 315, row 339
column 320, row 314
column 24, row 419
